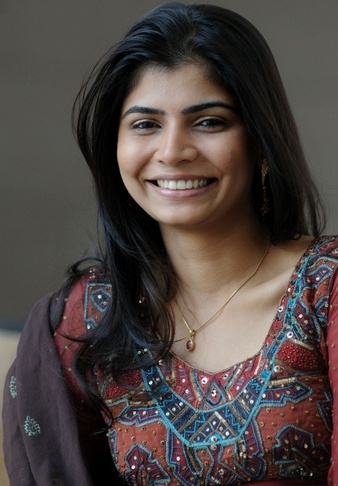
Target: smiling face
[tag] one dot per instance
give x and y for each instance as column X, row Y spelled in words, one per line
column 183, row 149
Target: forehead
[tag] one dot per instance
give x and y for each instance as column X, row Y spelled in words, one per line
column 182, row 86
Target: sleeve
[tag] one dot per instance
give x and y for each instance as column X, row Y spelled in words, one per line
column 41, row 443
column 49, row 433
column 71, row 328
column 332, row 343
column 91, row 426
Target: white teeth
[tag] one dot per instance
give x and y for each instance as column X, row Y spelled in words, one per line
column 181, row 184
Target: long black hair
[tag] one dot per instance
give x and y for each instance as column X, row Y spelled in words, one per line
column 240, row 60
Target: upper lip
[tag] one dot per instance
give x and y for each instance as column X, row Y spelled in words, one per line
column 179, row 177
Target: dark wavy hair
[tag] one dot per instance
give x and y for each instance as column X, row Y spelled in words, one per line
column 133, row 252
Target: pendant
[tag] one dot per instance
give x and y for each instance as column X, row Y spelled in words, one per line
column 190, row 344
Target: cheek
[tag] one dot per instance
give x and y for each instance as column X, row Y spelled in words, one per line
column 238, row 167
column 131, row 156
column 233, row 151
column 234, row 161
column 126, row 160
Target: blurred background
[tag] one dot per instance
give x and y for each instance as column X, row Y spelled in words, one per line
column 47, row 47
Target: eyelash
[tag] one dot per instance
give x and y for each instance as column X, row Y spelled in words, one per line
column 144, row 125
column 212, row 122
column 205, row 123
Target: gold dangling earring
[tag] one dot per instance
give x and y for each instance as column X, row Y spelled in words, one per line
column 265, row 199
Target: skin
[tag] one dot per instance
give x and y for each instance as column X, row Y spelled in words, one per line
column 179, row 125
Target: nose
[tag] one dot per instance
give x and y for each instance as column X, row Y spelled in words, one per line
column 176, row 145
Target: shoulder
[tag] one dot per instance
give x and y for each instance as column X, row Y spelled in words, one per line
column 321, row 257
column 319, row 264
column 83, row 308
column 316, row 276
column 85, row 304
column 36, row 338
column 325, row 246
column 40, row 415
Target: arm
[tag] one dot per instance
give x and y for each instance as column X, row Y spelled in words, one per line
column 40, row 427
column 91, row 426
column 48, row 435
column 332, row 342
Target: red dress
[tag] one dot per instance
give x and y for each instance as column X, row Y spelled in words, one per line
column 266, row 419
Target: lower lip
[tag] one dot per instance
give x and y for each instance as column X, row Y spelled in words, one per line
column 183, row 193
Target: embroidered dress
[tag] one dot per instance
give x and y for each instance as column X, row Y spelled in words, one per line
column 267, row 418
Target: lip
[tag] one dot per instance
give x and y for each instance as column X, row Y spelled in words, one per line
column 184, row 178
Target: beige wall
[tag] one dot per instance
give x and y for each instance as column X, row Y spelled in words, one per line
column 8, row 344
column 46, row 48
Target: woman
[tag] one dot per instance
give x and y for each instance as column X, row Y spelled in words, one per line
column 204, row 336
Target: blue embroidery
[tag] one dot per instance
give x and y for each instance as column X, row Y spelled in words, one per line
column 13, row 389
column 97, row 298
column 32, row 428
column 222, row 434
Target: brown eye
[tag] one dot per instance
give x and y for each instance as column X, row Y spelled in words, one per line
column 144, row 125
column 210, row 123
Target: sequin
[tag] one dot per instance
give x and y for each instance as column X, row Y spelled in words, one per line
column 251, row 419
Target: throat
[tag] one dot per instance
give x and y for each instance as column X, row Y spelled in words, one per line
column 236, row 336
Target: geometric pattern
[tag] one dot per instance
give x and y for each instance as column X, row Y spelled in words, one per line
column 268, row 417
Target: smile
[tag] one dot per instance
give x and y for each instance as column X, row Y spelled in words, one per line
column 183, row 184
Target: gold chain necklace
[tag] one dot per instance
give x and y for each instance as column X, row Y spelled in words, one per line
column 190, row 344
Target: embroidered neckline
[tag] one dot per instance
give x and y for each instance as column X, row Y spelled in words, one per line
column 187, row 422
column 277, row 316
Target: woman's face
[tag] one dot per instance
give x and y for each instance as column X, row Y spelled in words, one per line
column 183, row 149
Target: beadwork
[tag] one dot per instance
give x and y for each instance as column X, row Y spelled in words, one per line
column 32, row 428
column 268, row 417
column 97, row 299
column 13, row 387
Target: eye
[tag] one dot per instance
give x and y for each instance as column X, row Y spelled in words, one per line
column 212, row 123
column 145, row 125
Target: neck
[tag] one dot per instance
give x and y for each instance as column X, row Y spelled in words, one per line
column 212, row 262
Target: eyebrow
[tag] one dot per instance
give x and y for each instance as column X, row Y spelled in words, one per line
column 186, row 111
column 206, row 105
column 143, row 110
